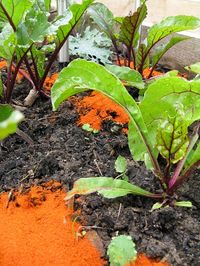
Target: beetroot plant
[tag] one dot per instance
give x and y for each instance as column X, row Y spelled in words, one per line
column 125, row 35
column 28, row 36
column 165, row 123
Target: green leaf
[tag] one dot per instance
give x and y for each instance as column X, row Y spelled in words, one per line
column 120, row 164
column 164, row 48
column 16, row 9
column 186, row 204
column 103, row 17
column 129, row 31
column 106, row 186
column 172, row 138
column 142, row 61
column 194, row 68
column 171, row 25
column 121, row 251
column 80, row 76
column 130, row 76
column 44, row 4
column 161, row 99
column 7, row 42
column 9, row 120
column 156, row 206
column 93, row 45
column 34, row 28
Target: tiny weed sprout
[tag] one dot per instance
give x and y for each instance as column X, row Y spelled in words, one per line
column 121, row 251
column 28, row 36
column 87, row 127
column 165, row 123
column 121, row 167
column 125, row 35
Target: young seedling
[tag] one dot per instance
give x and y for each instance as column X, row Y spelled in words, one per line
column 121, row 251
column 159, row 125
column 88, row 128
column 121, row 167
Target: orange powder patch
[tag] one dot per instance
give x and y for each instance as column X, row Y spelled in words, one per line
column 36, row 229
column 49, row 81
column 142, row 260
column 146, row 71
column 96, row 108
column 3, row 65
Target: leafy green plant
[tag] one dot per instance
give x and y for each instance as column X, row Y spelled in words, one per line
column 121, row 251
column 125, row 35
column 158, row 125
column 92, row 45
column 25, row 34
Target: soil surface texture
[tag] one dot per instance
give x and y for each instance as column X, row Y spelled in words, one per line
column 65, row 152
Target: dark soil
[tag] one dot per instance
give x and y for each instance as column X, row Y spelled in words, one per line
column 64, row 152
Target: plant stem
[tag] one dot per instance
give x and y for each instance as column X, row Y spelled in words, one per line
column 30, row 71
column 8, row 17
column 134, row 58
column 180, row 165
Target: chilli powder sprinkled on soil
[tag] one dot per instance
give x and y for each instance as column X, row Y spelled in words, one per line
column 142, row 260
column 36, row 230
column 96, row 108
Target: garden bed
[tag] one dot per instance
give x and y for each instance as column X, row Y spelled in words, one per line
column 64, row 152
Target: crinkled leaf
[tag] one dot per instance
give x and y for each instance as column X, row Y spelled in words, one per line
column 121, row 251
column 171, row 25
column 63, row 25
column 164, row 48
column 129, row 30
column 172, row 138
column 9, row 120
column 130, row 76
column 34, row 27
column 16, row 9
column 106, row 186
column 120, row 164
column 93, row 45
column 194, row 68
column 81, row 75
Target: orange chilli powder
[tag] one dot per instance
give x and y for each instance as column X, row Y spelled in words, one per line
column 143, row 260
column 96, row 108
column 36, row 230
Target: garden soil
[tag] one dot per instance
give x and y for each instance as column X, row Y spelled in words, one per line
column 64, row 152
